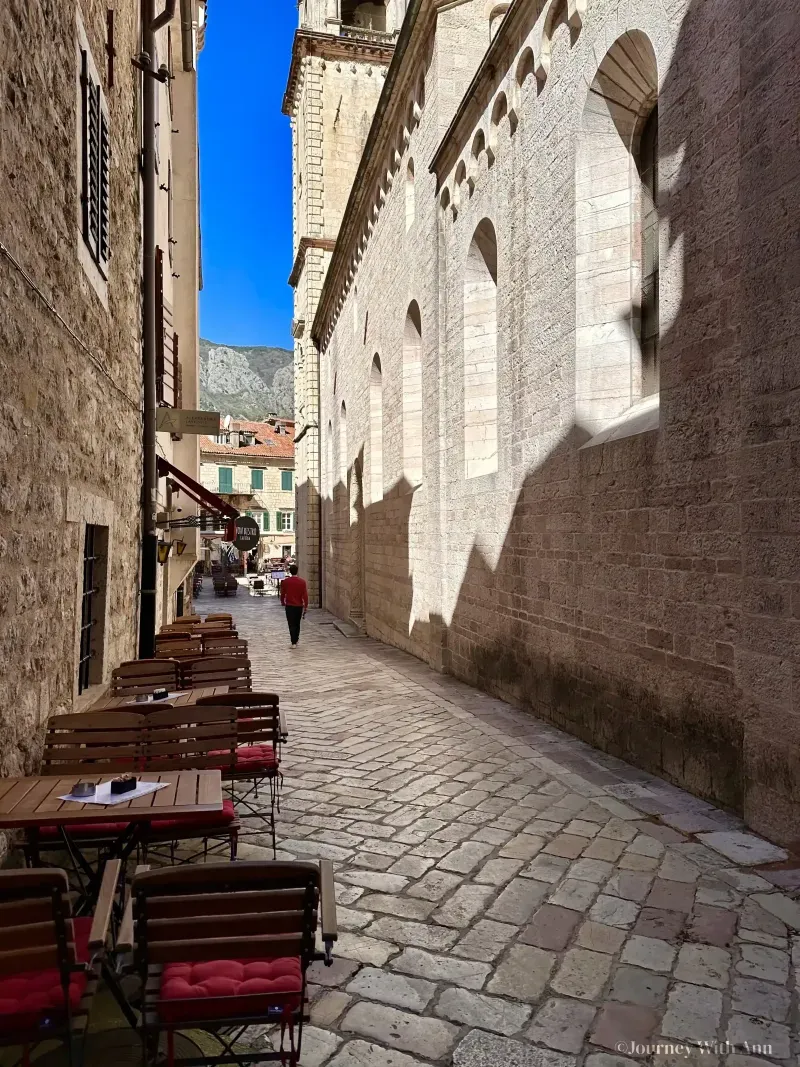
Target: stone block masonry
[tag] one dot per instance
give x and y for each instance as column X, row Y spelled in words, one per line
column 70, row 421
column 623, row 567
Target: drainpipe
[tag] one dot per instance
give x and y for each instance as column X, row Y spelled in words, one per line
column 149, row 562
column 187, row 34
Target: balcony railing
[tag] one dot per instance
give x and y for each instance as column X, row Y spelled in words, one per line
column 363, row 33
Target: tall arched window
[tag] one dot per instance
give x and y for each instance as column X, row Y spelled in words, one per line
column 616, row 362
column 411, row 207
column 647, row 166
column 376, row 430
column 412, row 395
column 343, row 461
column 480, row 353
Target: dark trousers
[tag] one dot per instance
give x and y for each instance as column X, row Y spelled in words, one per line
column 293, row 617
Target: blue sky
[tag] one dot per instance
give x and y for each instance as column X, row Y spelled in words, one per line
column 246, row 173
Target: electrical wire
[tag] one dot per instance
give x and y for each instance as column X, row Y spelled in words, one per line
column 135, row 404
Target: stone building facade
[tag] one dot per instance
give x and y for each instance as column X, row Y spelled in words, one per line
column 251, row 466
column 70, row 346
column 339, row 60
column 556, row 347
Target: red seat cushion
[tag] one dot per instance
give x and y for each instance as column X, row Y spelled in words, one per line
column 202, row 818
column 114, row 829
column 26, row 997
column 229, row 988
column 253, row 758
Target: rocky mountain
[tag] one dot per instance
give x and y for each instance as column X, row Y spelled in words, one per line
column 247, row 383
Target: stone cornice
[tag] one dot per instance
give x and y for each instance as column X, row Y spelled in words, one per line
column 475, row 99
column 326, row 243
column 331, row 46
column 414, row 38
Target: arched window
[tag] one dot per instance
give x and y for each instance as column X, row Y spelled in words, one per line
column 616, row 362
column 480, row 353
column 412, row 395
column 343, row 460
column 376, row 430
column 410, row 195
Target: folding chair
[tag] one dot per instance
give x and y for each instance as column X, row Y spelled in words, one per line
column 233, row 671
column 145, row 676
column 50, row 963
column 192, row 738
column 223, row 947
column 181, row 650
column 224, row 645
column 260, row 731
column 220, row 616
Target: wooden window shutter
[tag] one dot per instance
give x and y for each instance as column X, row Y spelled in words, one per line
column 159, row 326
column 178, row 382
column 166, row 342
column 96, row 167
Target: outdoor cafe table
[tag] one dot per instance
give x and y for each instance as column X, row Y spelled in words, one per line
column 182, row 699
column 32, row 803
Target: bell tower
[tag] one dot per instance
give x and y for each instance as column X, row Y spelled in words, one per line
column 342, row 50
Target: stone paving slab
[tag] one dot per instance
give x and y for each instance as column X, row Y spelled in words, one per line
column 510, row 897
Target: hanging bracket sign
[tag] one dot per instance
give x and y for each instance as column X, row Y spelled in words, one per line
column 176, row 420
column 248, row 533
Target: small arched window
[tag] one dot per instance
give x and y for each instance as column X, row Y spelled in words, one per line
column 496, row 16
column 480, row 353
column 412, row 395
column 410, row 196
column 376, row 430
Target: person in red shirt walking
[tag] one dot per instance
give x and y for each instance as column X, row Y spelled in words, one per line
column 294, row 597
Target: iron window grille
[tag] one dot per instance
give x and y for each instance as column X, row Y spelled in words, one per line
column 88, row 604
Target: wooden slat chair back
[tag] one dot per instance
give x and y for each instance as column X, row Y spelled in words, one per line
column 190, row 738
column 224, row 645
column 262, row 915
column 220, row 617
column 145, row 676
column 191, row 648
column 260, row 732
column 49, row 961
column 233, row 671
column 259, row 719
column 94, row 743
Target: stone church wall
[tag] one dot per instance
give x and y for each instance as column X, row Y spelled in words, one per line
column 640, row 592
column 70, row 423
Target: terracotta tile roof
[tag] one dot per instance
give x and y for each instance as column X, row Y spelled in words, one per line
column 268, row 441
column 278, row 447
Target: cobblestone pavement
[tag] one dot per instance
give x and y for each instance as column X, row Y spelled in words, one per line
column 508, row 896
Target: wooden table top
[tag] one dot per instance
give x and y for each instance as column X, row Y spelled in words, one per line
column 184, row 698
column 34, row 801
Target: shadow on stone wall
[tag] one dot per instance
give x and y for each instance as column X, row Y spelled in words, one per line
column 622, row 607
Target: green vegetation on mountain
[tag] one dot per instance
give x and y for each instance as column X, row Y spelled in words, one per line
column 247, row 383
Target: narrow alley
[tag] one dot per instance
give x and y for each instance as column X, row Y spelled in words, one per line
column 508, row 895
